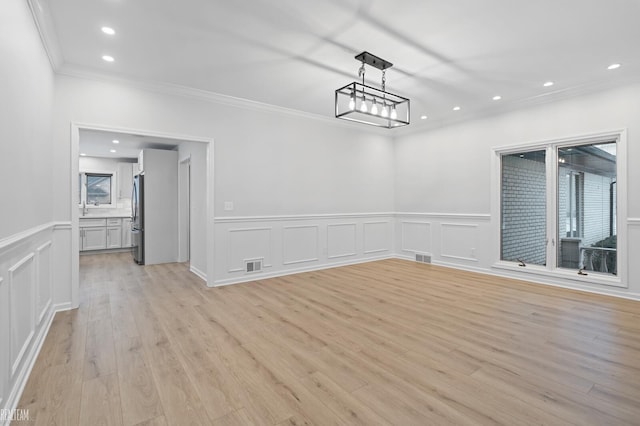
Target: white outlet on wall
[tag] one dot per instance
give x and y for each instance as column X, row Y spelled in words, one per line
column 473, row 252
column 228, row 206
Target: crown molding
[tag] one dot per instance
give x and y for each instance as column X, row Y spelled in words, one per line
column 211, row 97
column 46, row 29
column 519, row 104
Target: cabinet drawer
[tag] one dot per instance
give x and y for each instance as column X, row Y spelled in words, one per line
column 114, row 221
column 89, row 223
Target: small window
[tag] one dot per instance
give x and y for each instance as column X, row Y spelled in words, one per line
column 98, row 188
column 95, row 188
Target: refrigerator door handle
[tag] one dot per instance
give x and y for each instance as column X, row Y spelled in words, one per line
column 133, row 195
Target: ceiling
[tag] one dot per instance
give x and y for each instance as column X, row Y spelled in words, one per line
column 99, row 143
column 295, row 53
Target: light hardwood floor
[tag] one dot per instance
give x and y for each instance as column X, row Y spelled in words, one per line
column 389, row 342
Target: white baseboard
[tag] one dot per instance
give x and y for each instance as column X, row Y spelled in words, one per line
column 531, row 279
column 257, row 277
column 282, row 273
column 61, row 307
column 199, row 273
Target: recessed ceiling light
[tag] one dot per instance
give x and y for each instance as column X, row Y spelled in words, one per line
column 548, row 84
column 112, row 150
column 108, row 58
column 116, row 141
column 456, row 108
column 497, row 98
column 82, row 154
column 108, row 30
column 423, row 117
column 613, row 66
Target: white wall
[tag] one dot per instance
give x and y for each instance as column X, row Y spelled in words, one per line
column 98, row 163
column 269, row 164
column 446, row 175
column 26, row 84
column 29, row 257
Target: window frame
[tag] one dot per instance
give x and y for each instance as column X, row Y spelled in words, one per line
column 551, row 269
column 83, row 188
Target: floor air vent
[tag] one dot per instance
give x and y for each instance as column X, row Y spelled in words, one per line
column 253, row 266
column 423, row 258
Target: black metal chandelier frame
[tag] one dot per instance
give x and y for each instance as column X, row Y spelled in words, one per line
column 366, row 104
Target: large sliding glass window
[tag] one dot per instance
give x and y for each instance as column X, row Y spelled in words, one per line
column 559, row 207
column 524, row 207
column 587, row 207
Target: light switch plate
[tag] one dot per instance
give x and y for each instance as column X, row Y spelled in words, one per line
column 228, row 206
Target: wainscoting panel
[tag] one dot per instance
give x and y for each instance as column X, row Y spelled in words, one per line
column 300, row 244
column 44, row 281
column 341, row 240
column 26, row 306
column 458, row 241
column 246, row 244
column 416, row 237
column 377, row 237
column 22, row 320
column 452, row 239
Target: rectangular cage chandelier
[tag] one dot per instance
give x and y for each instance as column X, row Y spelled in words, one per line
column 369, row 105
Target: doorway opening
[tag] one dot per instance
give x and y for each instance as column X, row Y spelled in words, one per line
column 194, row 204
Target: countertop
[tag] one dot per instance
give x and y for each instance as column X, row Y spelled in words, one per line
column 105, row 216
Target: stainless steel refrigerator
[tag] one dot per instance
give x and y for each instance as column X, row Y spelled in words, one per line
column 155, row 208
column 137, row 219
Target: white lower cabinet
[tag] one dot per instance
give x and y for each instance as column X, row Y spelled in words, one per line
column 114, row 237
column 93, row 238
column 101, row 234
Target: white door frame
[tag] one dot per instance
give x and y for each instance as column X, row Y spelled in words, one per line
column 73, row 182
column 184, row 217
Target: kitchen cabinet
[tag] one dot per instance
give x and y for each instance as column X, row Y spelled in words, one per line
column 93, row 234
column 105, row 233
column 126, row 232
column 114, row 232
column 125, row 179
column 114, row 237
column 94, row 239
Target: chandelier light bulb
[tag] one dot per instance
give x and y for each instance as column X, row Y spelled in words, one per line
column 363, row 105
column 352, row 102
column 385, row 112
column 374, row 108
column 394, row 114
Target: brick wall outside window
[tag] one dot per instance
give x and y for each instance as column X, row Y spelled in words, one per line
column 523, row 210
